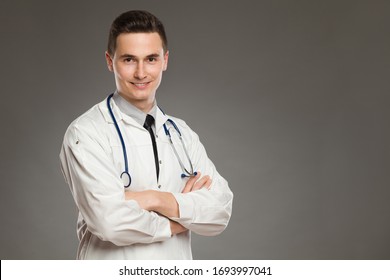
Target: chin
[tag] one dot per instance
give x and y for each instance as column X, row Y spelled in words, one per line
column 139, row 96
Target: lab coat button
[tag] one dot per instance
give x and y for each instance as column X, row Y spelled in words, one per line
column 159, row 186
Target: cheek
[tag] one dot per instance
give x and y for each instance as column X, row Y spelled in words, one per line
column 123, row 72
column 156, row 71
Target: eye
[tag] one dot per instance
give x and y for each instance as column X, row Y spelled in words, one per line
column 129, row 60
column 152, row 59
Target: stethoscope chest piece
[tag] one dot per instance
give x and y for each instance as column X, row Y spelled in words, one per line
column 126, row 179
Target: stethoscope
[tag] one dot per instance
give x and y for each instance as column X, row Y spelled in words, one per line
column 125, row 175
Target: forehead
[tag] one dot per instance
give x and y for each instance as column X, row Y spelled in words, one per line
column 139, row 44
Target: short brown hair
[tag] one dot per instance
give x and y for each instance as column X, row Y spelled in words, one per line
column 135, row 22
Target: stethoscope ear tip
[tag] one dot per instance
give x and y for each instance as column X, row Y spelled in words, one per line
column 189, row 175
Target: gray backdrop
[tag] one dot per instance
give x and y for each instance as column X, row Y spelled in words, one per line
column 290, row 99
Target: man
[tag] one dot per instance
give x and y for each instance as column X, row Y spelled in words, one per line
column 164, row 199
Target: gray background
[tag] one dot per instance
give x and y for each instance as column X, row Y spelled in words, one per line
column 290, row 99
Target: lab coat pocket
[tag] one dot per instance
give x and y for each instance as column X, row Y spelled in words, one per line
column 117, row 157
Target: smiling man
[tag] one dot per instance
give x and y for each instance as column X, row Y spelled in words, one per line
column 141, row 179
column 138, row 62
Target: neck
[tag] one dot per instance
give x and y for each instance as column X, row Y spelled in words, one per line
column 145, row 105
column 142, row 105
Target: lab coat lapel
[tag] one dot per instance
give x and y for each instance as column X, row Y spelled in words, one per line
column 119, row 116
column 161, row 119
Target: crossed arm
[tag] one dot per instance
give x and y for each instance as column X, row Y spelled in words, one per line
column 165, row 203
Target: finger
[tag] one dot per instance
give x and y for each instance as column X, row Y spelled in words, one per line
column 200, row 184
column 190, row 183
column 208, row 184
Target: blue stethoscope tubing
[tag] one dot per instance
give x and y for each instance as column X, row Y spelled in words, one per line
column 127, row 179
column 125, row 175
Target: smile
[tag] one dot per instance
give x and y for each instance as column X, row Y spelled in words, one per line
column 141, row 85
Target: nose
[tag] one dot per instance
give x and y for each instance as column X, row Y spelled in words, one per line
column 140, row 72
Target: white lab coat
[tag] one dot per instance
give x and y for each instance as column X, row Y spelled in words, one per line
column 109, row 227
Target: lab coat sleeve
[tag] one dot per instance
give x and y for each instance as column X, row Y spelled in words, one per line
column 99, row 194
column 205, row 212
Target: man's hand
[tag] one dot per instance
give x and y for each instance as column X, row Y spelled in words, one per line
column 176, row 228
column 164, row 203
column 194, row 183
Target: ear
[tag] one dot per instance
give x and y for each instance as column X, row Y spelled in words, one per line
column 109, row 61
column 166, row 56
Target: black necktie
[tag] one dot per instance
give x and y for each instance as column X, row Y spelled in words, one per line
column 148, row 126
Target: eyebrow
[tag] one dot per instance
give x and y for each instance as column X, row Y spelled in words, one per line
column 133, row 56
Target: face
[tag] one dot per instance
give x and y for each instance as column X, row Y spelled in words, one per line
column 138, row 63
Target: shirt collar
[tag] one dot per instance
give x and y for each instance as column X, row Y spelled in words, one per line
column 130, row 110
